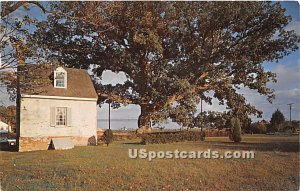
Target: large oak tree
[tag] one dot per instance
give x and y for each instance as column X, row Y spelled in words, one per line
column 172, row 53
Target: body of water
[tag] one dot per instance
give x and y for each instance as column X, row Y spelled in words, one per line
column 117, row 124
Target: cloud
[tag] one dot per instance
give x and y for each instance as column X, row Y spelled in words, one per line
column 128, row 112
column 287, row 77
column 109, row 77
column 293, row 93
column 287, row 90
column 294, row 25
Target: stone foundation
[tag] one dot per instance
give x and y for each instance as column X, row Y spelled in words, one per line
column 42, row 143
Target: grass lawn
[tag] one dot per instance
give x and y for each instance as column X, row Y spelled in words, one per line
column 275, row 167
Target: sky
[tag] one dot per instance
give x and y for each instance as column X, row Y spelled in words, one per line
column 287, row 88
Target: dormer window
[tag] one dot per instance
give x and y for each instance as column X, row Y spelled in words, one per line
column 60, row 78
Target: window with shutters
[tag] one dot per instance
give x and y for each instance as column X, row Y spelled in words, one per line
column 61, row 116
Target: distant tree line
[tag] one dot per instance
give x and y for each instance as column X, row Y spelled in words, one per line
column 222, row 120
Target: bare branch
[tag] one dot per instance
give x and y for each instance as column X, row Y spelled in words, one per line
column 8, row 10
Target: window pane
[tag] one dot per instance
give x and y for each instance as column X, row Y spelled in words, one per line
column 60, row 79
column 61, row 116
column 60, row 75
column 60, row 83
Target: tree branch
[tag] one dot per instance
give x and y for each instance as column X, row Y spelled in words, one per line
column 8, row 10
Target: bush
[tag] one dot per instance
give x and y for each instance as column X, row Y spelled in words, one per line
column 108, row 136
column 124, row 136
column 170, row 137
column 216, row 133
column 235, row 134
column 259, row 128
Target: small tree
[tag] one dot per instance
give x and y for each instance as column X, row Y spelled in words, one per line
column 276, row 120
column 108, row 136
column 235, row 134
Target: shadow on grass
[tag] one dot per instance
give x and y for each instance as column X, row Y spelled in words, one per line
column 133, row 143
column 290, row 146
column 269, row 146
column 8, row 148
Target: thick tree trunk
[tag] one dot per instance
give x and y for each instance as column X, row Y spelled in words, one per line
column 144, row 119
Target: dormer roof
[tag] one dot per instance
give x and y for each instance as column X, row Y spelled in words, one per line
column 38, row 79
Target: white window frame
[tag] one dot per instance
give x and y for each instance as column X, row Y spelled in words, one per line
column 67, row 116
column 62, row 71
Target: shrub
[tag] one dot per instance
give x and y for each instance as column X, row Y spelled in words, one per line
column 259, row 127
column 217, row 133
column 124, row 136
column 108, row 136
column 170, row 137
column 235, row 134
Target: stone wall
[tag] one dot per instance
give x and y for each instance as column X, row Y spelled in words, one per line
column 42, row 143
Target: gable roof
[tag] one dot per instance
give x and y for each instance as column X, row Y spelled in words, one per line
column 38, row 79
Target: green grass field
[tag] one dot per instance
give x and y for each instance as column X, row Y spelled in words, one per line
column 275, row 167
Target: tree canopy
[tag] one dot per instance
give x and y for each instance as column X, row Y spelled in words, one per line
column 173, row 53
column 212, row 119
column 276, row 120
